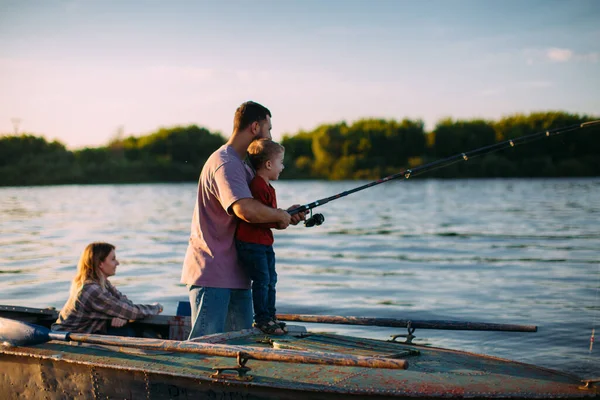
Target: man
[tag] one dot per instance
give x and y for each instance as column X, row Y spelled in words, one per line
column 219, row 289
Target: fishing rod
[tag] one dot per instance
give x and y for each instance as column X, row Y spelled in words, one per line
column 318, row 219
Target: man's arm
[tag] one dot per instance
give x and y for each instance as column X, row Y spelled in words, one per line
column 254, row 212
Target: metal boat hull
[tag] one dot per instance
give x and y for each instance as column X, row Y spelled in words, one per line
column 63, row 369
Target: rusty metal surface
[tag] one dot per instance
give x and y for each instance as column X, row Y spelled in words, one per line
column 69, row 370
column 433, row 372
column 247, row 351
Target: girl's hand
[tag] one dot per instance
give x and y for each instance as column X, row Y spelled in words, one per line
column 160, row 307
column 117, row 322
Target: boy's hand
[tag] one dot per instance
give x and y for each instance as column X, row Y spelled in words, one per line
column 160, row 307
column 301, row 216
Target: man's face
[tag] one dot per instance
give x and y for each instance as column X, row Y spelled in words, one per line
column 264, row 129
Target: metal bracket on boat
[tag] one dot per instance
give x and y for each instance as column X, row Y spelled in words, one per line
column 589, row 383
column 409, row 337
column 241, row 369
column 265, row 340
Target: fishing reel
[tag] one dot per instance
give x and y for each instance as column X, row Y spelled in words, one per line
column 313, row 220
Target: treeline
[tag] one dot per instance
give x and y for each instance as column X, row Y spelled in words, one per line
column 168, row 155
column 371, row 149
column 366, row 149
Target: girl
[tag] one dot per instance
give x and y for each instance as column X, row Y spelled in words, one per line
column 95, row 305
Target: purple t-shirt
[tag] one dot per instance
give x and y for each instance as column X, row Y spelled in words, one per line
column 211, row 258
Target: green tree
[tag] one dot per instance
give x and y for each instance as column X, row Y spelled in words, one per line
column 298, row 155
column 327, row 147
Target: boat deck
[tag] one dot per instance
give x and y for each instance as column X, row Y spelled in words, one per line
column 432, row 372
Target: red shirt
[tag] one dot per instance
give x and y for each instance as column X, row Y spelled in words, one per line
column 258, row 233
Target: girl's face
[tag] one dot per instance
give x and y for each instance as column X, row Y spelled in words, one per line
column 108, row 267
column 275, row 166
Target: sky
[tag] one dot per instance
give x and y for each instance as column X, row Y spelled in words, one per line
column 81, row 71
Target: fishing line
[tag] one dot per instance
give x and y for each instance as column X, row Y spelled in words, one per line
column 590, row 382
column 594, row 319
column 444, row 162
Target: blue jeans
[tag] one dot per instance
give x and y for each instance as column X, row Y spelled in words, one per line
column 259, row 262
column 216, row 310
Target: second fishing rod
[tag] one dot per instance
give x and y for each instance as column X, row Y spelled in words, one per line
column 318, row 219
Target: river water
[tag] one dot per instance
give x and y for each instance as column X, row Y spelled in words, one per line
column 522, row 251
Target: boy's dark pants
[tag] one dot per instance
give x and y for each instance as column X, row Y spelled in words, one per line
column 258, row 261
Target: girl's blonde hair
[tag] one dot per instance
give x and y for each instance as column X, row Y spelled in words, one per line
column 87, row 268
column 262, row 150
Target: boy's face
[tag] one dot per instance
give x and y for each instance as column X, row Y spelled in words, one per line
column 275, row 166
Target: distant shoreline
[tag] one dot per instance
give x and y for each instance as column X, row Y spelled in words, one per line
column 369, row 149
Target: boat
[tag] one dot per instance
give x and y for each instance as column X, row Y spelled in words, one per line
column 37, row 363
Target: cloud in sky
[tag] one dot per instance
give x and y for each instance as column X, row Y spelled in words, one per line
column 559, row 55
column 564, row 55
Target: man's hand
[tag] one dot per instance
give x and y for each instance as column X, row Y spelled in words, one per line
column 281, row 226
column 301, row 216
column 284, row 219
column 118, row 322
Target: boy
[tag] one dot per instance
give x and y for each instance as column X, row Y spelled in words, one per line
column 254, row 242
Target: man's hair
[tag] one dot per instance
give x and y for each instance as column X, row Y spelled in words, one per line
column 262, row 150
column 248, row 113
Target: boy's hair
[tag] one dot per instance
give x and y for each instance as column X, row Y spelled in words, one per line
column 262, row 150
column 248, row 113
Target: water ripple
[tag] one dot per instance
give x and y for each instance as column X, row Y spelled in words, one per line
column 505, row 251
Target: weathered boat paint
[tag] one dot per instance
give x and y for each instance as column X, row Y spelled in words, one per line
column 58, row 370
column 246, row 351
column 18, row 333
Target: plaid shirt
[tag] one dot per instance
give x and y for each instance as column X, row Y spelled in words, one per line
column 94, row 308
